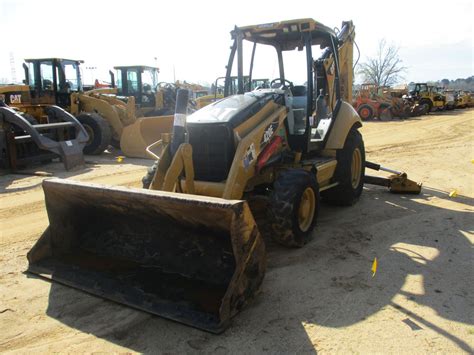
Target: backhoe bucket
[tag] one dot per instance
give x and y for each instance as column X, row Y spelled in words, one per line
column 142, row 133
column 193, row 259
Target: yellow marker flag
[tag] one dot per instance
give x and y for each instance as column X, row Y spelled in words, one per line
column 453, row 193
column 120, row 159
column 374, row 267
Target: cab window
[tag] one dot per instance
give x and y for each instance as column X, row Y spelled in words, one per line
column 31, row 75
column 118, row 80
column 46, row 70
column 148, row 81
column 70, row 74
column 132, row 81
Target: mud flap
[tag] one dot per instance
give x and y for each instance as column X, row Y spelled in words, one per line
column 142, row 133
column 193, row 259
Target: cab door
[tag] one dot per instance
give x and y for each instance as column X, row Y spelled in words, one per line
column 46, row 86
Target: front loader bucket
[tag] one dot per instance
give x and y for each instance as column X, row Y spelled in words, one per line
column 142, row 133
column 193, row 259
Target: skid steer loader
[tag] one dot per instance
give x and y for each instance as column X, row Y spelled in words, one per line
column 107, row 119
column 190, row 247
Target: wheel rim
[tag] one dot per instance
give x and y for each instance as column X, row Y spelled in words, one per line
column 356, row 168
column 306, row 209
column 364, row 113
column 90, row 133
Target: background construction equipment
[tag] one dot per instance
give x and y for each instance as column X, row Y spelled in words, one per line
column 23, row 141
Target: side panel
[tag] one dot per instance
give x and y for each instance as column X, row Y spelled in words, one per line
column 249, row 149
column 346, row 118
column 15, row 95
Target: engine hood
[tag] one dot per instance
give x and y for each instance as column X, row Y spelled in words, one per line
column 235, row 109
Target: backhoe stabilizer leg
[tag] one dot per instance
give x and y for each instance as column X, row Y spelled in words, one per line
column 398, row 182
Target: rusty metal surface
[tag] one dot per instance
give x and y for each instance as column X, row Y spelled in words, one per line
column 196, row 260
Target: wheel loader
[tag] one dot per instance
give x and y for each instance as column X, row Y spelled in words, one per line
column 256, row 164
column 107, row 119
column 428, row 96
column 152, row 98
column 141, row 82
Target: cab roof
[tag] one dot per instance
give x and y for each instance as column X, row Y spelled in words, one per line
column 52, row 59
column 287, row 34
column 146, row 67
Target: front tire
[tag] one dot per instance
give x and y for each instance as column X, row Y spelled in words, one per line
column 427, row 103
column 350, row 171
column 99, row 133
column 293, row 207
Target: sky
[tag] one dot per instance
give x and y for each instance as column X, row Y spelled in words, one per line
column 190, row 39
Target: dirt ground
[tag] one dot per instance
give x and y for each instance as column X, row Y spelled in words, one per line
column 321, row 298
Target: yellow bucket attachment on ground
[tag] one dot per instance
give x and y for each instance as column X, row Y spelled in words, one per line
column 142, row 133
column 192, row 259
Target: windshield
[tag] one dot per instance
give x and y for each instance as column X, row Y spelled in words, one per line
column 265, row 66
column 71, row 75
column 149, row 80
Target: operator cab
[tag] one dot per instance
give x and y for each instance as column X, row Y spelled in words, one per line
column 139, row 81
column 308, row 87
column 417, row 88
column 51, row 80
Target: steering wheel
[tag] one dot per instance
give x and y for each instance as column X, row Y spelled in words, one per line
column 282, row 83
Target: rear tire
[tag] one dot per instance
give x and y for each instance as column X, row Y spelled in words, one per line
column 350, row 171
column 365, row 112
column 99, row 133
column 293, row 208
column 148, row 178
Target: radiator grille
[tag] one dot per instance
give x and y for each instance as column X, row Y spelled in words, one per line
column 213, row 151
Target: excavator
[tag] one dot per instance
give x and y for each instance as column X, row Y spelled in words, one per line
column 253, row 166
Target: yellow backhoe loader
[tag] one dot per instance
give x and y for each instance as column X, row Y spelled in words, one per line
column 107, row 119
column 190, row 247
